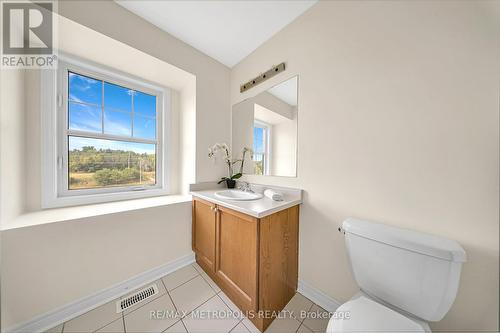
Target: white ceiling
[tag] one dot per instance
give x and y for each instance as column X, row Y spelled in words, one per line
column 227, row 31
column 286, row 91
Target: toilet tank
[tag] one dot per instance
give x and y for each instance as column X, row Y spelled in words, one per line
column 416, row 272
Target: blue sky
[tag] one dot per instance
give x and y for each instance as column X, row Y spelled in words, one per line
column 85, row 89
column 78, row 142
column 258, row 139
column 117, row 108
column 84, row 117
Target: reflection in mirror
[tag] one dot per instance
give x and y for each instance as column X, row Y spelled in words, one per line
column 268, row 124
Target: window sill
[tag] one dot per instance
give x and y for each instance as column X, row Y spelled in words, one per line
column 72, row 213
column 98, row 198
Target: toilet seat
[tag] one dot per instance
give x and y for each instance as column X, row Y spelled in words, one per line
column 366, row 315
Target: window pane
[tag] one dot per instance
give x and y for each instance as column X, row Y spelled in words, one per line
column 144, row 104
column 84, row 89
column 258, row 164
column 144, row 127
column 98, row 163
column 84, row 117
column 258, row 139
column 117, row 97
column 259, row 148
column 117, row 123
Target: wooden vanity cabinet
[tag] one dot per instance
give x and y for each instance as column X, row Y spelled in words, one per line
column 204, row 223
column 253, row 260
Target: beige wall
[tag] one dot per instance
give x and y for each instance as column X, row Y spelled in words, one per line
column 284, row 148
column 399, row 123
column 47, row 266
column 12, row 140
column 242, row 118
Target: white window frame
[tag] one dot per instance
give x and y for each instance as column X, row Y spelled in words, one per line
column 55, row 132
column 267, row 144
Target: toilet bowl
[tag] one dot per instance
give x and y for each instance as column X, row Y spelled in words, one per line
column 363, row 314
column 406, row 279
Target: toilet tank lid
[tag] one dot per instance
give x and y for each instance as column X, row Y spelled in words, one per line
column 419, row 242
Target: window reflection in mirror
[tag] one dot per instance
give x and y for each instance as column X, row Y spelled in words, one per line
column 267, row 123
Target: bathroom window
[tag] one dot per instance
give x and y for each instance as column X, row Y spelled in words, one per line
column 261, row 135
column 109, row 136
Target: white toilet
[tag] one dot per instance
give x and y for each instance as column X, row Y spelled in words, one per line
column 406, row 278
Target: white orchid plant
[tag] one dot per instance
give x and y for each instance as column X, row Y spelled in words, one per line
column 228, row 159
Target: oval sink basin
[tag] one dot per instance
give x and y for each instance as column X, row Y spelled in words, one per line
column 238, row 195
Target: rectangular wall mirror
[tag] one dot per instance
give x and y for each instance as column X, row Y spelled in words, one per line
column 267, row 123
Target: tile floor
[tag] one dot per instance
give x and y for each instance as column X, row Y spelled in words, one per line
column 183, row 291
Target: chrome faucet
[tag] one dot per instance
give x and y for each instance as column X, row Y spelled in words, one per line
column 245, row 186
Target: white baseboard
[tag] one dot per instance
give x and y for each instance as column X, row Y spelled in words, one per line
column 317, row 296
column 53, row 318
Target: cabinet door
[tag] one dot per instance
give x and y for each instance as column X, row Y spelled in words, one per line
column 237, row 255
column 204, row 224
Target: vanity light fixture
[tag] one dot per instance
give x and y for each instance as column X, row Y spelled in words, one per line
column 262, row 77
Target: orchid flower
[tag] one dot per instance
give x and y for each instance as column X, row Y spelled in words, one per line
column 224, row 148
